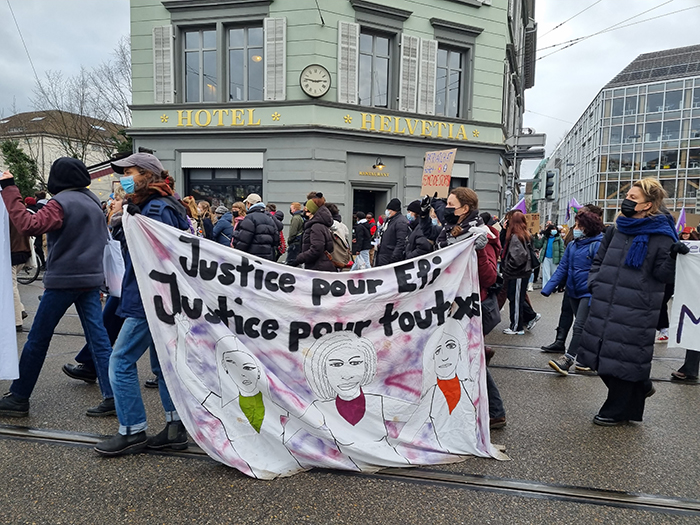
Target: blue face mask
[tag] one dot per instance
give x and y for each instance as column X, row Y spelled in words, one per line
column 128, row 184
column 435, row 222
column 410, row 217
column 578, row 234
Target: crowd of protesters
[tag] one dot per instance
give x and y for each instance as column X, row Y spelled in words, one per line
column 600, row 272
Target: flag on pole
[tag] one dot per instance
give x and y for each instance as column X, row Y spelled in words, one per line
column 521, row 206
column 573, row 208
column 681, row 220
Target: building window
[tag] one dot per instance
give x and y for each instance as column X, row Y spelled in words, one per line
column 200, row 66
column 374, row 81
column 246, row 64
column 450, row 82
column 223, row 186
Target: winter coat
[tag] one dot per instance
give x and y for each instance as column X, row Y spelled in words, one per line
column 574, row 267
column 258, row 233
column 316, row 242
column 393, row 241
column 618, row 337
column 296, row 228
column 19, row 246
column 516, row 259
column 208, row 228
column 223, row 229
column 418, row 243
column 363, row 237
column 540, row 243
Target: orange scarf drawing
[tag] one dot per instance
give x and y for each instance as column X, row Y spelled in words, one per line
column 452, row 390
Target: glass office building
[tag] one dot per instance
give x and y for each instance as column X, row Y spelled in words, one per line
column 645, row 122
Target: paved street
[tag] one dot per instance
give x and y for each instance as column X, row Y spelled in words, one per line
column 549, row 436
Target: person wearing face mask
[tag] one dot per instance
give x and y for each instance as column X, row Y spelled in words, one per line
column 418, row 243
column 551, row 247
column 238, row 212
column 392, row 243
column 573, row 270
column 205, row 214
column 636, row 258
column 258, row 233
column 362, row 243
column 76, row 236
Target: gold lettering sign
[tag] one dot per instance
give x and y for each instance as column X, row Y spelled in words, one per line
column 374, row 174
column 204, row 118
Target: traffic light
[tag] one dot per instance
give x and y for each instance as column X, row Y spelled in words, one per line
column 550, row 188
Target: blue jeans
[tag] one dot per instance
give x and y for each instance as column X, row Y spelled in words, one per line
column 548, row 269
column 112, row 323
column 52, row 306
column 133, row 341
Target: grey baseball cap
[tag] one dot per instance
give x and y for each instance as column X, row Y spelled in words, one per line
column 145, row 161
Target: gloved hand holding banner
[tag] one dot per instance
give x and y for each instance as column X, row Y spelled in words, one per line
column 275, row 370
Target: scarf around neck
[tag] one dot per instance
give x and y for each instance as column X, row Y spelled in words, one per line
column 641, row 229
column 253, row 408
column 352, row 411
column 452, row 390
column 159, row 189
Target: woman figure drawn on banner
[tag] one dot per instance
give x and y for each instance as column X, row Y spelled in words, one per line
column 252, row 421
column 337, row 366
column 446, row 404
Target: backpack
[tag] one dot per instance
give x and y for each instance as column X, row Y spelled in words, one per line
column 341, row 255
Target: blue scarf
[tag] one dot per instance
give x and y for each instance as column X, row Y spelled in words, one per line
column 641, row 229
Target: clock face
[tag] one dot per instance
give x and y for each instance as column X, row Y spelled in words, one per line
column 315, row 80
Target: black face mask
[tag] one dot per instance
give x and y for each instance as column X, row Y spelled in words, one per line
column 234, row 213
column 450, row 217
column 628, row 208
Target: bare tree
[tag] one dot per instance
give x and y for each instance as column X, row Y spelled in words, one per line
column 112, row 83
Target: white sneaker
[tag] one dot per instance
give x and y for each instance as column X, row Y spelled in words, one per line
column 530, row 288
column 532, row 323
column 508, row 331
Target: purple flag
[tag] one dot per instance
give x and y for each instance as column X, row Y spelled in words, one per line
column 681, row 220
column 573, row 208
column 521, row 206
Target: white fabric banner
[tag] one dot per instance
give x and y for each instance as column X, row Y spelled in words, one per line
column 9, row 361
column 684, row 331
column 275, row 370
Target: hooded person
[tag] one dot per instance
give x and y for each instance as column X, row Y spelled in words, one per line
column 317, row 243
column 223, row 229
column 362, row 242
column 259, row 232
column 392, row 243
column 76, row 235
column 149, row 191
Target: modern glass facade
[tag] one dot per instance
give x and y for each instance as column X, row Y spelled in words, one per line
column 628, row 133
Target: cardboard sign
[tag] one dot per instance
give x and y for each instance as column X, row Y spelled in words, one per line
column 437, row 172
column 533, row 223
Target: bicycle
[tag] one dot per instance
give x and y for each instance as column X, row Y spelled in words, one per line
column 30, row 271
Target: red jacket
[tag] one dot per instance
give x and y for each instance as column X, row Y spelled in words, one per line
column 488, row 262
column 372, row 226
column 47, row 219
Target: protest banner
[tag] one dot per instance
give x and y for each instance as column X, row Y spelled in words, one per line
column 437, row 172
column 684, row 331
column 9, row 362
column 275, row 370
column 533, row 223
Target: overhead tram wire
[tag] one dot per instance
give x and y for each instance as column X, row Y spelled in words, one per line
column 549, row 116
column 613, row 27
column 570, row 18
column 26, row 49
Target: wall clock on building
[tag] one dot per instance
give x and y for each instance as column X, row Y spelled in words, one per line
column 315, row 80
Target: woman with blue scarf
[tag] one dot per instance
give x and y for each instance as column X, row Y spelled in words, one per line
column 636, row 258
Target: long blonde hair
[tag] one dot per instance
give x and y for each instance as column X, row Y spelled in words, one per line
column 191, row 207
column 206, row 213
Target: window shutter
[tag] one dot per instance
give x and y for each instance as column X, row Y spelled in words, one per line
column 427, row 76
column 348, row 49
column 163, row 65
column 275, row 58
column 409, row 73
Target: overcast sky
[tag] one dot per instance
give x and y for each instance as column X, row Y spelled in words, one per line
column 65, row 34
column 568, row 81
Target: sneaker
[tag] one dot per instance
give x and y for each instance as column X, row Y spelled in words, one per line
column 173, row 436
column 24, row 314
column 13, row 406
column 663, row 338
column 508, row 331
column 80, row 372
column 562, row 365
column 104, row 409
column 530, row 288
column 532, row 323
column 119, row 444
column 497, row 422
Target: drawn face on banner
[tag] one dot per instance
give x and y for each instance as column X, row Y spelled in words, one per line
column 446, row 356
column 243, row 370
column 345, row 369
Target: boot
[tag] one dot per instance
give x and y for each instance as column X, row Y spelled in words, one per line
column 559, row 344
column 173, row 436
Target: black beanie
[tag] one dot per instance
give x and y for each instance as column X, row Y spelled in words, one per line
column 66, row 173
column 360, row 215
column 394, row 205
column 414, row 207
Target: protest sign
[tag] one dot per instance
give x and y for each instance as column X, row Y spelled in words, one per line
column 275, row 370
column 533, row 223
column 684, row 331
column 437, row 172
column 9, row 362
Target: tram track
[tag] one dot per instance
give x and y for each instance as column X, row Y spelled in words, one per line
column 512, row 487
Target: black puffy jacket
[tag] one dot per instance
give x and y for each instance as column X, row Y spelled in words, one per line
column 363, row 237
column 417, row 244
column 258, row 233
column 393, row 242
column 317, row 241
column 618, row 338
